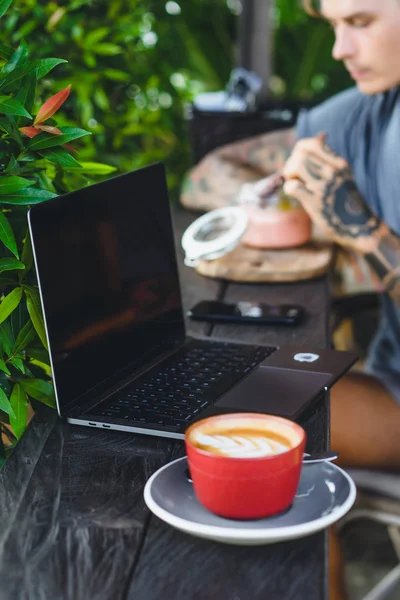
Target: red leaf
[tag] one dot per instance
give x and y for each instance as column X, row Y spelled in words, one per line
column 29, row 131
column 49, row 129
column 52, row 105
column 70, row 148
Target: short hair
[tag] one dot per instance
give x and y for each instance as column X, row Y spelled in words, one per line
column 312, row 7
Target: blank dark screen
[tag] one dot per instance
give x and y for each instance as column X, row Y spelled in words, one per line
column 108, row 275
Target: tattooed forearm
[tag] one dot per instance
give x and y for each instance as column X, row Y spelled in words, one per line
column 345, row 209
column 322, row 181
column 385, row 261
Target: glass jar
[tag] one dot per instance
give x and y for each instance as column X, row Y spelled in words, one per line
column 275, row 220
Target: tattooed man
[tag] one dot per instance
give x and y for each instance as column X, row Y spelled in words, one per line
column 343, row 164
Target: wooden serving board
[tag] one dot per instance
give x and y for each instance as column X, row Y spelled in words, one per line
column 245, row 264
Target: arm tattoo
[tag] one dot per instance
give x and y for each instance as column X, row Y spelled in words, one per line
column 385, row 261
column 394, row 289
column 313, row 168
column 344, row 208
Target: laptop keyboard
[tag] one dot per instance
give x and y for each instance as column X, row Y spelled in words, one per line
column 172, row 396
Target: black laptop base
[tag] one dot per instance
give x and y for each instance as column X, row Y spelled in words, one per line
column 174, row 393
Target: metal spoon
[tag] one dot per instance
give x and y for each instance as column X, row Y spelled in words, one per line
column 307, row 458
column 320, row 457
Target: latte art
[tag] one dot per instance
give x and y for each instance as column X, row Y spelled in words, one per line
column 247, row 444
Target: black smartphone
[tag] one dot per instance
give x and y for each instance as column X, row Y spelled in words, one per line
column 247, row 312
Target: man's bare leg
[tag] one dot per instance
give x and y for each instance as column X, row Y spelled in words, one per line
column 365, row 430
column 365, row 423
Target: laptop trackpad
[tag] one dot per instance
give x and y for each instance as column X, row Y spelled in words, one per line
column 277, row 391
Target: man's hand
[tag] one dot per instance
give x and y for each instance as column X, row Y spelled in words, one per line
column 322, row 181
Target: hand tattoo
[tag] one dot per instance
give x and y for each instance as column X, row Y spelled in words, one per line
column 345, row 210
column 313, row 168
column 328, row 150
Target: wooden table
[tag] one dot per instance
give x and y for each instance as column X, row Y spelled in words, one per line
column 74, row 524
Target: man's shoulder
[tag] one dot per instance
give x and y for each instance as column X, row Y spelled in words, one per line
column 338, row 111
column 345, row 118
column 345, row 99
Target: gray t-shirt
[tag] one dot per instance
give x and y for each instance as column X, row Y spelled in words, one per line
column 365, row 130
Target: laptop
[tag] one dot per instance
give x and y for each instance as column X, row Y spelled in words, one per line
column 120, row 355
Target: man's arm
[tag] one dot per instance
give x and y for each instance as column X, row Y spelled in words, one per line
column 322, row 181
column 217, row 179
column 384, row 259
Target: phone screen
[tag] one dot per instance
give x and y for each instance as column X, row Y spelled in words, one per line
column 246, row 311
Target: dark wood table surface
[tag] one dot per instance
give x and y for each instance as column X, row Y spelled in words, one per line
column 73, row 521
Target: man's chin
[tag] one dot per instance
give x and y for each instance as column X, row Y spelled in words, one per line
column 370, row 88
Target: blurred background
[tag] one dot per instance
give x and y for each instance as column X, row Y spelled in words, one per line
column 134, row 66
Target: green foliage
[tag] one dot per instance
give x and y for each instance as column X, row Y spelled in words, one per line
column 133, row 66
column 303, row 66
column 35, row 164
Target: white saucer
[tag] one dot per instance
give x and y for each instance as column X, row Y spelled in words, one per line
column 324, row 495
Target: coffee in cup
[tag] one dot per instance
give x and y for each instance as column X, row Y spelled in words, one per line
column 245, row 465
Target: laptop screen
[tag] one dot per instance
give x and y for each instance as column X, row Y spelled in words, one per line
column 108, row 276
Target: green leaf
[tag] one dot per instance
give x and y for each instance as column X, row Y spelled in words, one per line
column 6, row 339
column 3, row 367
column 45, row 65
column 25, row 336
column 26, row 29
column 61, row 157
column 116, row 75
column 95, row 36
column 26, row 93
column 101, row 99
column 15, row 58
column 5, row 405
column 39, row 354
column 10, row 106
column 10, row 303
column 93, row 168
column 19, row 404
column 11, row 183
column 106, row 49
column 7, row 235
column 18, row 364
column 4, row 5
column 27, row 196
column 11, row 80
column 35, row 313
column 10, row 264
column 12, row 165
column 39, row 390
column 5, row 51
column 6, row 125
column 48, row 140
column 27, row 254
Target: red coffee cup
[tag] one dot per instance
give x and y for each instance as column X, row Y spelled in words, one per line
column 245, row 465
